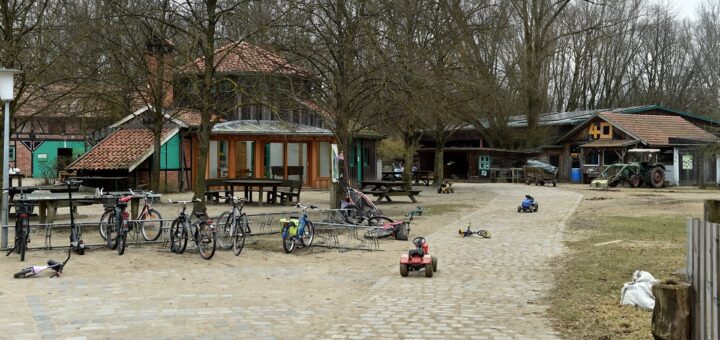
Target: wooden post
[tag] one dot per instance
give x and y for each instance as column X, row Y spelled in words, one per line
column 712, row 211
column 671, row 315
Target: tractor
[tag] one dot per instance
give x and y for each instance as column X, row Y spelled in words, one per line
column 634, row 174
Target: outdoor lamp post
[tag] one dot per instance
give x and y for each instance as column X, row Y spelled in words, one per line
column 7, row 94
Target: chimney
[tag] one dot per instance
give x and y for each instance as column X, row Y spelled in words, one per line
column 159, row 55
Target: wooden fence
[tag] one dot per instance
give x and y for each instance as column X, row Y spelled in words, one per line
column 703, row 266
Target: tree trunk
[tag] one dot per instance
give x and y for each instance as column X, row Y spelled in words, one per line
column 439, row 163
column 408, row 156
column 671, row 315
column 200, row 167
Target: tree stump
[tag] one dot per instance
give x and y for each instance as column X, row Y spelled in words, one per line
column 671, row 315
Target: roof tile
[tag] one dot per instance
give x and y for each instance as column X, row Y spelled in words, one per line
column 243, row 58
column 658, row 130
column 118, row 151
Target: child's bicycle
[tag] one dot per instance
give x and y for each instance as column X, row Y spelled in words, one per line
column 480, row 232
column 297, row 230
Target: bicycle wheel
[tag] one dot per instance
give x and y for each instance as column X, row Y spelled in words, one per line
column 111, row 231
column 103, row 223
column 23, row 238
column 308, row 234
column 178, row 236
column 288, row 241
column 151, row 230
column 379, row 232
column 206, row 240
column 225, row 230
column 121, row 239
column 241, row 226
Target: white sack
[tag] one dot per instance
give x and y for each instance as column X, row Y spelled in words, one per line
column 639, row 291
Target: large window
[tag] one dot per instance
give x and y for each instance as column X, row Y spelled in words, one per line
column 610, row 157
column 218, row 159
column 324, row 159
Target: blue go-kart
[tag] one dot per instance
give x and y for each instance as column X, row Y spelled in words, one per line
column 528, row 205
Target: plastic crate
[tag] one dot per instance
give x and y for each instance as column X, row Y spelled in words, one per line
column 24, row 208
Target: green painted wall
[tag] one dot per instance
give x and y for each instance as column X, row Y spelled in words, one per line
column 45, row 156
column 170, row 154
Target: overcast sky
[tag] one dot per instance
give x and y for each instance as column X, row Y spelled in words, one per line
column 684, row 8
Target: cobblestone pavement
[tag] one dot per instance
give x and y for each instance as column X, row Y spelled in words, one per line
column 484, row 288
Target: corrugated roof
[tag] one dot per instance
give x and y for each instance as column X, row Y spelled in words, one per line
column 657, row 130
column 123, row 149
column 242, row 57
column 268, row 127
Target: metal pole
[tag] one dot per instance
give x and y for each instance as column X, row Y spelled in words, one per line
column 6, row 177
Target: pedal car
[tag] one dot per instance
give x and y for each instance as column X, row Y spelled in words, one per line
column 418, row 259
column 528, row 205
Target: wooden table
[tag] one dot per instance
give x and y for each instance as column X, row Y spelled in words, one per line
column 92, row 181
column 19, row 178
column 48, row 202
column 417, row 176
column 385, row 189
column 249, row 183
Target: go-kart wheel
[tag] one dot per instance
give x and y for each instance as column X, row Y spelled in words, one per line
column 434, row 263
column 519, row 209
column 403, row 270
column 428, row 270
column 536, row 207
column 419, row 241
column 401, row 232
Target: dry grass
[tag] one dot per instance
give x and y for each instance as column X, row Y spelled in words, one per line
column 585, row 302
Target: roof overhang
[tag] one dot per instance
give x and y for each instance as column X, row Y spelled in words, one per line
column 151, row 150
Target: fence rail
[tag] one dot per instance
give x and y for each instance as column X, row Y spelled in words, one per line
column 703, row 267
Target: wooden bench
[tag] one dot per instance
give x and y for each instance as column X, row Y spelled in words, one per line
column 214, row 194
column 290, row 190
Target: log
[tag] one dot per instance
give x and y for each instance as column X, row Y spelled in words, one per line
column 671, row 315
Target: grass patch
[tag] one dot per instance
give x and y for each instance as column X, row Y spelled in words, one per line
column 585, row 303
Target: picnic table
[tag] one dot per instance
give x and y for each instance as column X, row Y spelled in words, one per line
column 417, row 176
column 385, row 189
column 114, row 183
column 48, row 202
column 249, row 183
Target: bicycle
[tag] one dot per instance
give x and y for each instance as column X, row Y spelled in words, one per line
column 150, row 221
column 23, row 210
column 202, row 231
column 235, row 227
column 118, row 226
column 300, row 230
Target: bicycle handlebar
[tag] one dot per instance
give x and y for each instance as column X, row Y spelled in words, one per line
column 298, row 205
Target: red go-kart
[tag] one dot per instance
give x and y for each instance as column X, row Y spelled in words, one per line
column 418, row 259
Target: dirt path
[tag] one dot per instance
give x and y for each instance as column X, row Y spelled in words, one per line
column 485, row 288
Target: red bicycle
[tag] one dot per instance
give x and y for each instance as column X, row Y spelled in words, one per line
column 150, row 221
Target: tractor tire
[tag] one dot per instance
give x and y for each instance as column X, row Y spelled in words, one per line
column 403, row 270
column 428, row 270
column 542, row 183
column 634, row 181
column 613, row 184
column 434, row 263
column 657, row 177
column 554, row 182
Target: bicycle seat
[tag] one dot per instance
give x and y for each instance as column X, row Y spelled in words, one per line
column 200, row 214
column 125, row 199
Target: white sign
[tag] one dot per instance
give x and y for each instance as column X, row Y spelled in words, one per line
column 687, row 162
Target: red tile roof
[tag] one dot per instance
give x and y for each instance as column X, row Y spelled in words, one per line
column 120, row 150
column 246, row 58
column 190, row 117
column 657, row 130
